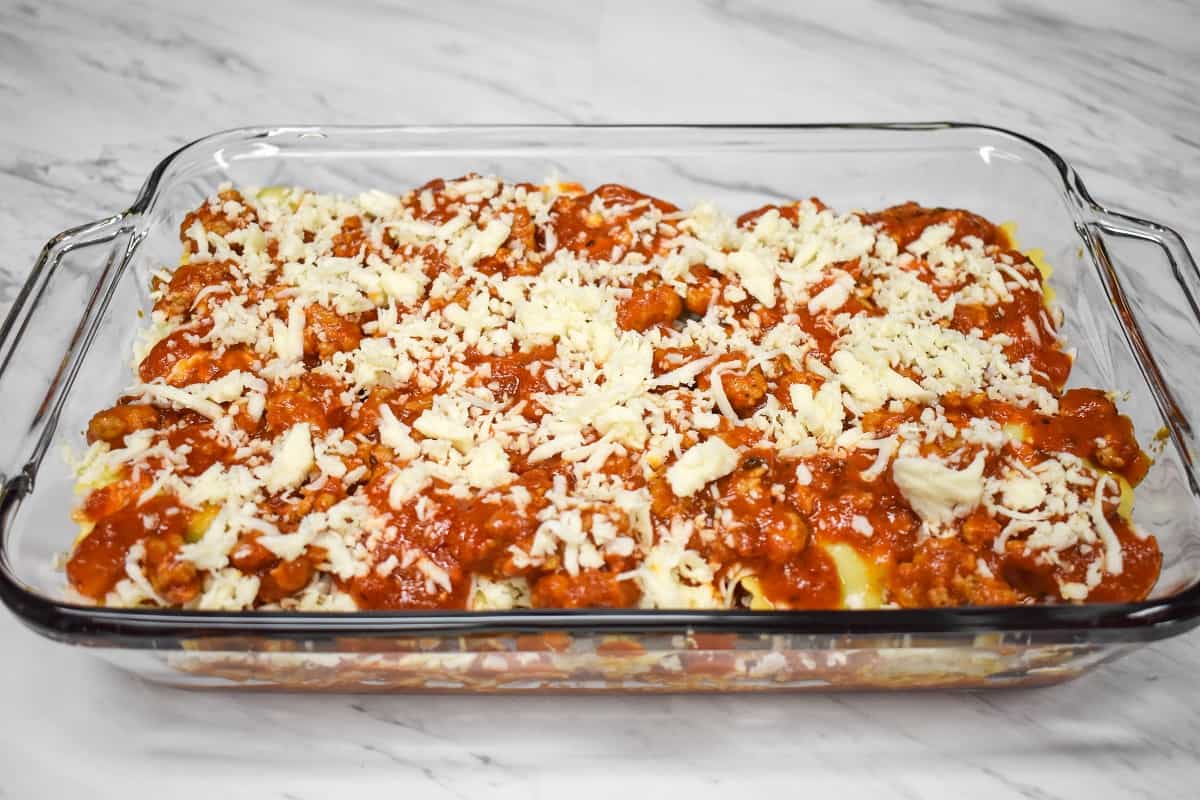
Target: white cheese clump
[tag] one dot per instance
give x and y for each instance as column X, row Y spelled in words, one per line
column 704, row 462
column 938, row 493
column 395, row 434
column 487, row 466
column 291, row 460
column 440, row 425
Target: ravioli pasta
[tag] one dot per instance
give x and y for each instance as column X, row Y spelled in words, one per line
column 491, row 395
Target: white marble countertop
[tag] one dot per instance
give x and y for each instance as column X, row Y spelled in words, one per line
column 92, row 96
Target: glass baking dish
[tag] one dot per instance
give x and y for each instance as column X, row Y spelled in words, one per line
column 1128, row 288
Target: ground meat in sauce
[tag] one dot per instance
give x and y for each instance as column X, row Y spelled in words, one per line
column 905, row 223
column 188, row 281
column 221, row 216
column 326, row 332
column 648, row 306
column 776, row 518
column 112, row 425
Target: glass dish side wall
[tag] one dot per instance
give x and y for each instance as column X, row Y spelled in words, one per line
column 686, row 661
column 998, row 175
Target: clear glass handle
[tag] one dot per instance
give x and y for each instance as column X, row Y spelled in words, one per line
column 74, row 269
column 1162, row 290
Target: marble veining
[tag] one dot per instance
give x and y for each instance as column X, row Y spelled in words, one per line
column 92, row 95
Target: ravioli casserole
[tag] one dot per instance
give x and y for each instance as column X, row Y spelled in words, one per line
column 489, row 395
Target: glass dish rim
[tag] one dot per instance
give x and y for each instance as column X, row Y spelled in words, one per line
column 63, row 620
